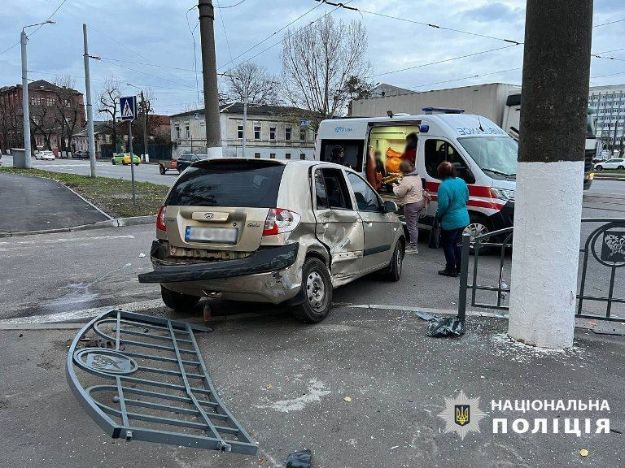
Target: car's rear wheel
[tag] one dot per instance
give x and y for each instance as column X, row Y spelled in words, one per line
column 316, row 291
column 599, row 168
column 178, row 301
column 113, row 161
column 393, row 272
column 620, row 168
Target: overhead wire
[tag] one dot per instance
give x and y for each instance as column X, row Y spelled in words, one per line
column 38, row 27
column 277, row 31
column 451, row 59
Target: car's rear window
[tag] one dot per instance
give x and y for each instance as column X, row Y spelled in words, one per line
column 228, row 183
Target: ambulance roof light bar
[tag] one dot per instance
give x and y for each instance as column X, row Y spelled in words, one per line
column 442, row 110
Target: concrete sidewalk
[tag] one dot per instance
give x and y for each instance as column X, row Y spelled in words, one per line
column 34, row 204
column 286, row 383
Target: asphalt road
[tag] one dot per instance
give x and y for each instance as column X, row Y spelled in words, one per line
column 74, row 275
column 33, row 204
column 143, row 172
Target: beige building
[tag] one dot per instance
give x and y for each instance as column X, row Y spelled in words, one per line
column 274, row 132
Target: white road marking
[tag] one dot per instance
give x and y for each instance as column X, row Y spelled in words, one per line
column 64, row 239
column 83, row 314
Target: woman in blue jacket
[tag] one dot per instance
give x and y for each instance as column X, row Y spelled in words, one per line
column 452, row 213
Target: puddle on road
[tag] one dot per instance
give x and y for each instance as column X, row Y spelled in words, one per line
column 79, row 293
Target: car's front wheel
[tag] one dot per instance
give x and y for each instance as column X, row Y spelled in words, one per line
column 599, row 168
column 316, row 291
column 162, row 170
column 178, row 301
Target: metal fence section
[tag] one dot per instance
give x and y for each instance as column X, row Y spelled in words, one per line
column 142, row 377
column 602, row 251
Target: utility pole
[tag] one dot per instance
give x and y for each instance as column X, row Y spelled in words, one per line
column 548, row 207
column 614, row 138
column 90, row 130
column 209, row 71
column 132, row 166
column 25, row 103
column 145, row 127
column 26, row 163
column 245, row 99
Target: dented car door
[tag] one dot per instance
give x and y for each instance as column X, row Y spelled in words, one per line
column 339, row 226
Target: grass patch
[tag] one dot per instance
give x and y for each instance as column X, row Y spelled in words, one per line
column 113, row 196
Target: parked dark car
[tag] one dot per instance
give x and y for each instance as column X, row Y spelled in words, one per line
column 185, row 160
column 81, row 154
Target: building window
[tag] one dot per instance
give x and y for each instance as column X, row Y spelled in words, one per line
column 272, row 155
column 187, row 131
column 272, row 133
column 257, row 132
column 302, row 156
column 240, row 132
column 287, row 155
column 177, row 132
column 302, row 134
column 49, row 102
column 257, row 155
column 287, row 133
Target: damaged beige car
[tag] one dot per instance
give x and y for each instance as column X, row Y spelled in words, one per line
column 271, row 231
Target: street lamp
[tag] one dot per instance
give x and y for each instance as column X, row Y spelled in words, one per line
column 25, row 99
column 145, row 122
column 90, row 124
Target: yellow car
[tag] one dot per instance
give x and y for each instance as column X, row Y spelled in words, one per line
column 124, row 158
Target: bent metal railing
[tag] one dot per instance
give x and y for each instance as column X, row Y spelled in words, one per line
column 142, row 377
column 609, row 252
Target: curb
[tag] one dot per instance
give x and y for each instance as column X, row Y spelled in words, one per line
column 113, row 222
column 608, row 177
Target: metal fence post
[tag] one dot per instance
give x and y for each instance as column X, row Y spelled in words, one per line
column 464, row 276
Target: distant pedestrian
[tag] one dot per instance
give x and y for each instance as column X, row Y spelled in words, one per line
column 411, row 196
column 453, row 195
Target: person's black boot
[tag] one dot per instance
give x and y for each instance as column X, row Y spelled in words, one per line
column 448, row 272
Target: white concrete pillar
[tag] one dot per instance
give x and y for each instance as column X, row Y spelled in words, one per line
column 547, row 214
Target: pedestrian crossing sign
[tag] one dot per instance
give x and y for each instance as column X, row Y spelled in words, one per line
column 128, row 107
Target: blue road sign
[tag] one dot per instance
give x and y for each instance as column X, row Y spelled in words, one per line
column 128, row 107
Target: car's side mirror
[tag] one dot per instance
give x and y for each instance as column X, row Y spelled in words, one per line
column 390, row 207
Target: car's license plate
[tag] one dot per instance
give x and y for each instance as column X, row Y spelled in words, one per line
column 217, row 235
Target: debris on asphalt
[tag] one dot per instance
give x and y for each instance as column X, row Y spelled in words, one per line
column 443, row 327
column 141, row 255
column 299, row 459
column 583, row 452
column 426, row 316
column 348, row 399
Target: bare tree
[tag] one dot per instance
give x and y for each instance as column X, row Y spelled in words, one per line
column 319, row 60
column 109, row 98
column 70, row 111
column 43, row 120
column 254, row 82
column 9, row 124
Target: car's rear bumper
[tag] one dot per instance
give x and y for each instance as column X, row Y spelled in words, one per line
column 262, row 261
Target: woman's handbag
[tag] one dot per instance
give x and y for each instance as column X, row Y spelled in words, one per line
column 435, row 235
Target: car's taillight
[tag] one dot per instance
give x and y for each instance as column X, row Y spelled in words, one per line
column 160, row 219
column 280, row 220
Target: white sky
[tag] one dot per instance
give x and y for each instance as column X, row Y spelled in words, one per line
column 128, row 34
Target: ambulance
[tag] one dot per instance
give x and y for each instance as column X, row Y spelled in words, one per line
column 484, row 155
